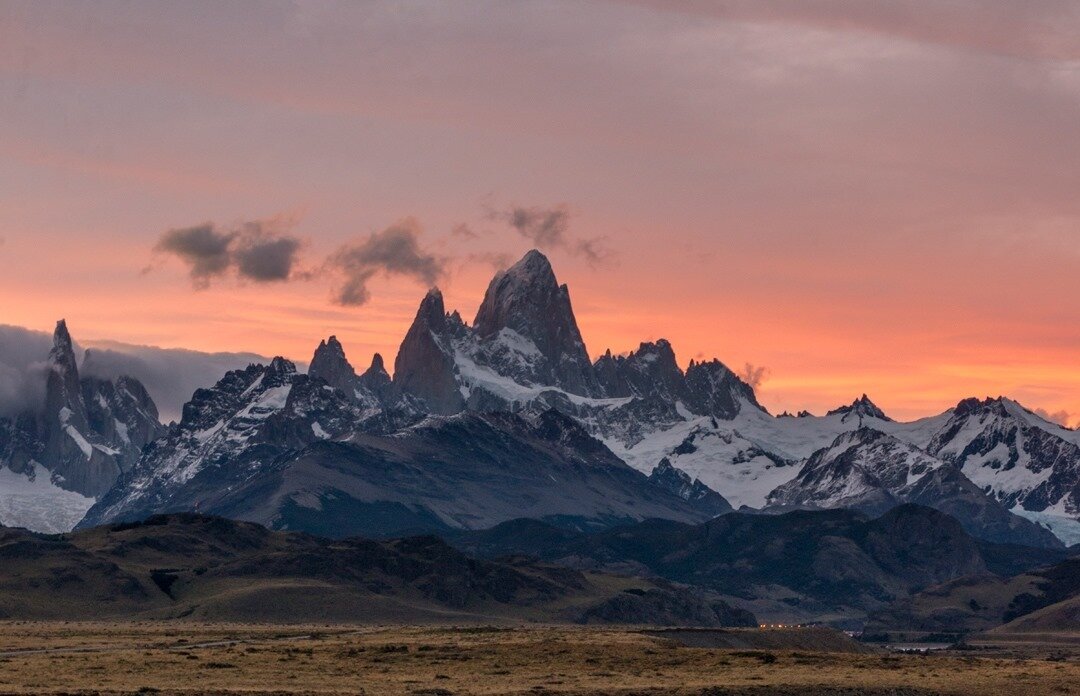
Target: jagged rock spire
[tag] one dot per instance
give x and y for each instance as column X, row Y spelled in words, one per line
column 527, row 299
column 424, row 366
column 330, row 365
column 377, row 380
column 63, row 395
column 90, row 427
column 650, row 371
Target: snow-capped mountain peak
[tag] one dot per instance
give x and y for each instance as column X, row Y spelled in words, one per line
column 862, row 469
column 861, row 408
column 873, row 471
column 1027, row 462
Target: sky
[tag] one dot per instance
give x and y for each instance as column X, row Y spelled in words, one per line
column 836, row 196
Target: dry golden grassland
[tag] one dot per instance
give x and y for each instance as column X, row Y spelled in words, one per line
column 181, row 658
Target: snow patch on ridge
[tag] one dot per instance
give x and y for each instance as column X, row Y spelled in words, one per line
column 80, row 441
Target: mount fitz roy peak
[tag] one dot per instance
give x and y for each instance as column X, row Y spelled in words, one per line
column 58, row 456
column 524, row 349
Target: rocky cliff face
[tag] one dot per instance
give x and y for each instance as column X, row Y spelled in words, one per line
column 90, row 430
column 331, row 366
column 524, row 342
column 525, row 353
column 863, row 469
column 376, row 380
column 714, row 390
column 527, row 310
column 425, row 366
column 650, row 372
column 859, row 409
column 372, row 390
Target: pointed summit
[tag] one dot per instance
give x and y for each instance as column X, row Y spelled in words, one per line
column 432, row 311
column 424, row 366
column 377, row 380
column 860, row 408
column 63, row 395
column 330, row 365
column 62, row 354
column 533, row 265
column 527, row 300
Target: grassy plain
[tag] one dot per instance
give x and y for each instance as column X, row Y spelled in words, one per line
column 193, row 659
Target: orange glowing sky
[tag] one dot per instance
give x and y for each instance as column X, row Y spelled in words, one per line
column 856, row 195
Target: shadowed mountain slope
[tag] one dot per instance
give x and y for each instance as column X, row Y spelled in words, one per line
column 210, row 568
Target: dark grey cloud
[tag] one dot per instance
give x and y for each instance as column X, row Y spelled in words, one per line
column 594, row 250
column 548, row 228
column 256, row 250
column 393, row 251
column 263, row 255
column 499, row 261
column 202, row 248
column 262, row 251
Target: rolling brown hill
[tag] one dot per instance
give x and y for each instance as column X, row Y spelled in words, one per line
column 208, row 568
column 1042, row 600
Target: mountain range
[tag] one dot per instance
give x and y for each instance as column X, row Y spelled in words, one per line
column 508, row 417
